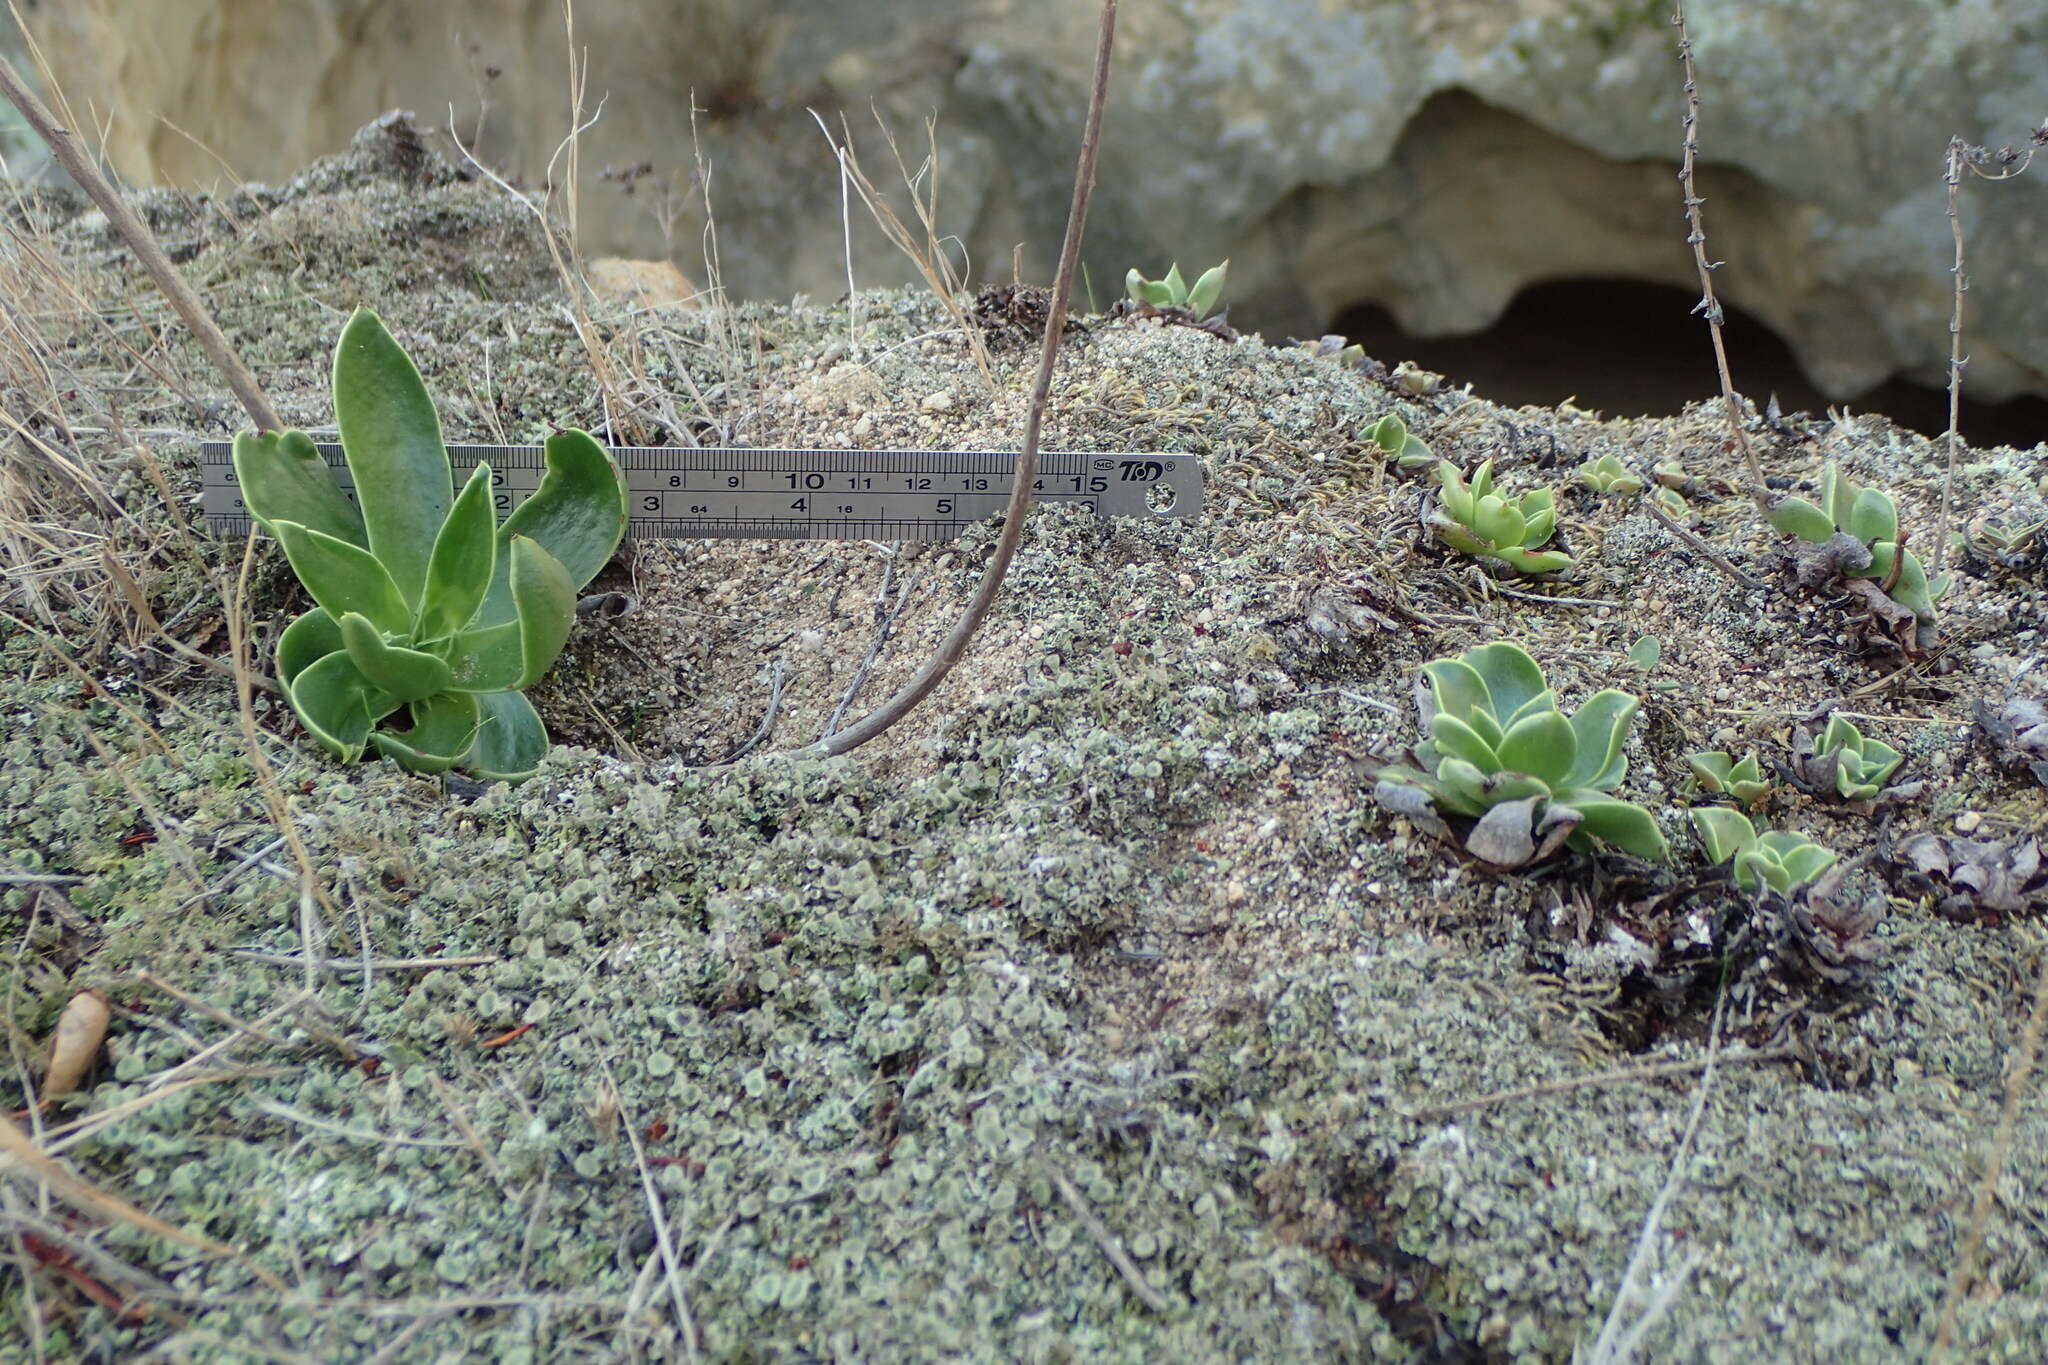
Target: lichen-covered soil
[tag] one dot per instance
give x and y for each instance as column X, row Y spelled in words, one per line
column 1096, row 1012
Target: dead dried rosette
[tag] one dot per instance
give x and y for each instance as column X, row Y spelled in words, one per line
column 2018, row 732
column 1974, row 879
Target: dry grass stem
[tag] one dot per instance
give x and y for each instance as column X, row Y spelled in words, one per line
column 1647, row 1302
column 280, row 1110
column 1019, row 506
column 927, row 248
column 381, row 964
column 25, row 1156
column 1105, row 1239
column 459, row 1116
column 672, row 1271
column 210, row 1010
column 1706, row 551
column 61, row 1138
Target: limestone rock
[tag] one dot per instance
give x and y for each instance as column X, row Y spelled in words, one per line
column 642, row 284
column 1431, row 155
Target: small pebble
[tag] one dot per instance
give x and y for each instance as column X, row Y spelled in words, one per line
column 938, row 402
column 1967, row 822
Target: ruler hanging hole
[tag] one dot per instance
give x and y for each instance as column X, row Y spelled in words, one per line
column 1160, row 498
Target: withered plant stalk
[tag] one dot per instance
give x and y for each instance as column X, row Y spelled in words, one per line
column 956, row 641
column 1962, row 155
column 1952, row 176
column 1709, row 305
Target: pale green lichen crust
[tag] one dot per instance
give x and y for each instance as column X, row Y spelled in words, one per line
column 1111, row 920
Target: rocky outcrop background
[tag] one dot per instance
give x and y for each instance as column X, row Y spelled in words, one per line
column 1434, row 156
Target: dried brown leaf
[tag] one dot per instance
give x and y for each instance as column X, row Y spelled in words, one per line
column 80, row 1030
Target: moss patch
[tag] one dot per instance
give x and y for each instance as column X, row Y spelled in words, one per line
column 1110, row 924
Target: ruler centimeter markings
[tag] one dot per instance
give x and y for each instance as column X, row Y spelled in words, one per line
column 767, row 494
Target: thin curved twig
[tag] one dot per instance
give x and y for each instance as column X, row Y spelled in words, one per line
column 956, row 641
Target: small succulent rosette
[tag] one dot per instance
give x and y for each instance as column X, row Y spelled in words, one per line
column 431, row 618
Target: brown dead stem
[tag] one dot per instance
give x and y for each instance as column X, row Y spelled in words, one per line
column 955, row 644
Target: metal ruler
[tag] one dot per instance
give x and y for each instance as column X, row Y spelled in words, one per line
column 743, row 493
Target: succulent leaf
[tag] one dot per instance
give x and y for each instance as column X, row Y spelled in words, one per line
column 283, row 477
column 545, row 596
column 1461, row 786
column 443, row 728
column 392, row 439
column 342, row 577
column 1158, row 294
column 1873, row 517
column 1390, row 433
column 1458, row 739
column 486, row 660
column 1546, row 700
column 1601, row 728
column 1621, row 823
column 510, row 738
column 1542, row 746
column 1204, row 293
column 310, row 637
column 464, row 560
column 338, row 705
column 1914, row 591
column 578, row 515
column 1535, row 561
column 1511, row 786
column 1725, row 833
column 1510, row 676
column 1458, row 688
column 407, row 674
column 1609, row 475
column 1498, row 522
column 1837, row 496
column 1798, row 517
column 1806, row 862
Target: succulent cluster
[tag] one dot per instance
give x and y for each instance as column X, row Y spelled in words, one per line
column 1474, row 519
column 1411, row 379
column 1860, row 527
column 426, row 607
column 1391, row 434
column 1775, row 859
column 1332, row 346
column 1173, row 291
column 1844, row 762
column 1609, row 475
column 1499, row 750
column 1725, row 775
